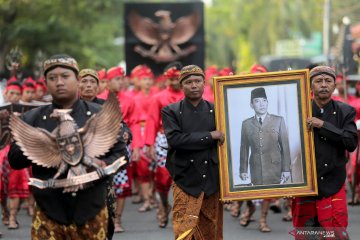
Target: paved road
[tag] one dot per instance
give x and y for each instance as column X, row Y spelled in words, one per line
column 142, row 226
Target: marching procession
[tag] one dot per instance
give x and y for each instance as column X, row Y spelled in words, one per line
column 191, row 134
column 145, row 137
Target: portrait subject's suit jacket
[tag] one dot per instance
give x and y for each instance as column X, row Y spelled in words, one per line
column 267, row 145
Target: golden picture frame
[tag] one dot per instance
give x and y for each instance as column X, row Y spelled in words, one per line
column 268, row 158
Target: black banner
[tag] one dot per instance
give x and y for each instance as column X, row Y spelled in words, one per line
column 159, row 33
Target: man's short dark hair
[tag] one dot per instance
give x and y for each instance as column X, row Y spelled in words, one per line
column 28, row 84
column 176, row 64
column 311, row 66
column 15, row 83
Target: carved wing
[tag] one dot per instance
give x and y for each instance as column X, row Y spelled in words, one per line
column 37, row 144
column 185, row 28
column 101, row 131
column 5, row 135
column 144, row 28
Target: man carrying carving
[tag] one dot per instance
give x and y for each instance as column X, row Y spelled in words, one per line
column 65, row 215
column 192, row 161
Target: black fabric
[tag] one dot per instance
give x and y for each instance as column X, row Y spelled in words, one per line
column 98, row 101
column 193, row 160
column 337, row 136
column 64, row 207
column 178, row 10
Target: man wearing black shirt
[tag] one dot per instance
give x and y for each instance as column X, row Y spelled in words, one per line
column 89, row 85
column 334, row 134
column 192, row 137
column 58, row 215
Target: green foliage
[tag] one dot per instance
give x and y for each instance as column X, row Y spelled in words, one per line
column 239, row 32
column 85, row 29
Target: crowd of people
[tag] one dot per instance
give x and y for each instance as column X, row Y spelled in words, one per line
column 146, row 179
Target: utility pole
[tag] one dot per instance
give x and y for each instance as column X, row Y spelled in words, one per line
column 327, row 30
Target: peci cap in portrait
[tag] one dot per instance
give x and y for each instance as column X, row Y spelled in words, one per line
column 258, row 93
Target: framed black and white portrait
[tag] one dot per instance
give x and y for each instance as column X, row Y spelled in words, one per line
column 268, row 151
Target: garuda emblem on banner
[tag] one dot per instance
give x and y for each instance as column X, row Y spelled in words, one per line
column 70, row 149
column 165, row 36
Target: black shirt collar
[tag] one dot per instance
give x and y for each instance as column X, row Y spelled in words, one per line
column 188, row 105
column 75, row 106
column 317, row 111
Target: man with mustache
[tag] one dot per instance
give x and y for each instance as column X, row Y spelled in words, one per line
column 89, row 86
column 334, row 133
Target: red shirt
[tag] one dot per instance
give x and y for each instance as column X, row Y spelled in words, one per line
column 352, row 101
column 104, row 94
column 132, row 92
column 355, row 103
column 130, row 116
column 208, row 94
column 159, row 100
column 155, row 89
column 142, row 103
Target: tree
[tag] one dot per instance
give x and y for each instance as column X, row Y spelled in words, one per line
column 237, row 32
column 241, row 31
column 85, row 29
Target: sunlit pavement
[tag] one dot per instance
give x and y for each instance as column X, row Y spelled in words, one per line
column 143, row 226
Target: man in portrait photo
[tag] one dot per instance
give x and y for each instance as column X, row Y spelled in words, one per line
column 264, row 144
